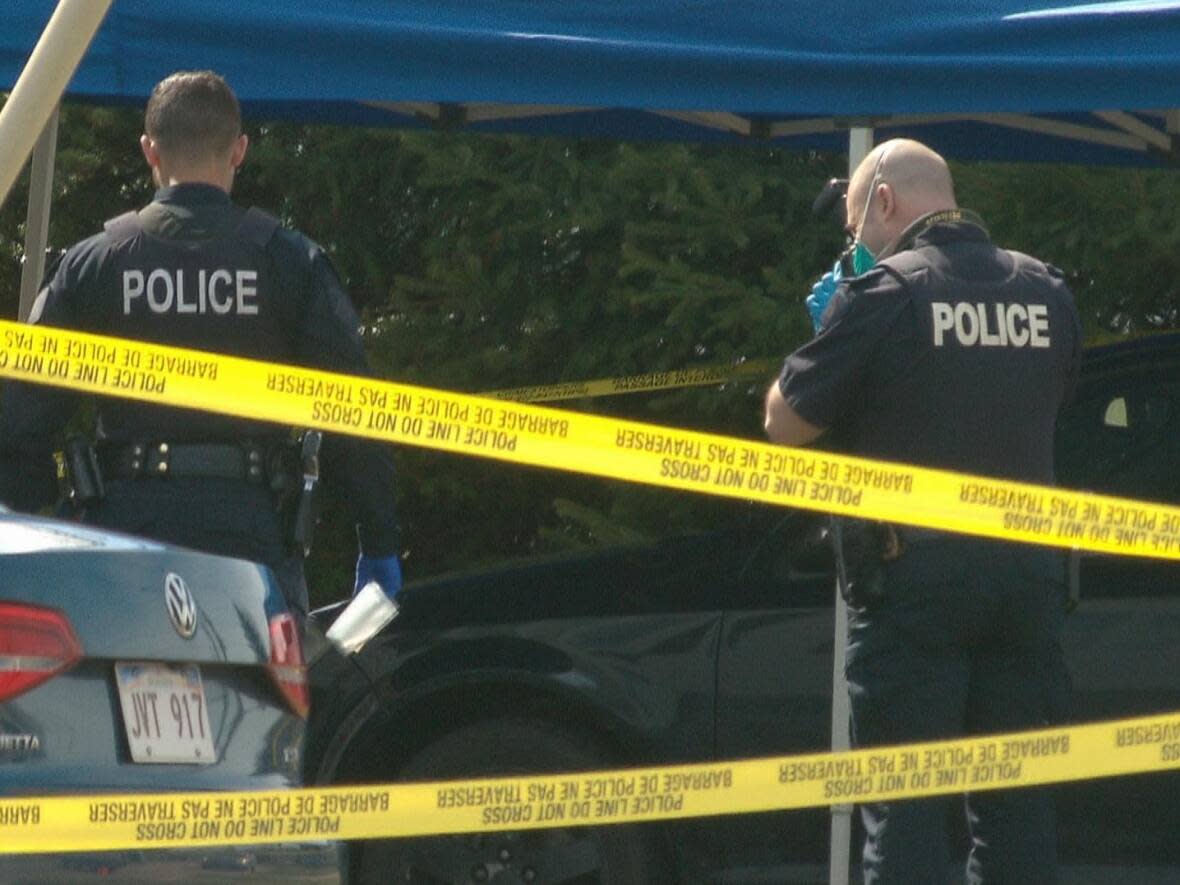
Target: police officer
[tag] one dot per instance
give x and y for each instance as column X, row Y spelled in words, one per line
column 943, row 350
column 192, row 269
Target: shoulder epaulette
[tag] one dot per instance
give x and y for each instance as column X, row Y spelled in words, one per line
column 123, row 227
column 1035, row 265
column 258, row 226
column 904, row 263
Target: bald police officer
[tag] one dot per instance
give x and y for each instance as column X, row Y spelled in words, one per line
column 193, row 269
column 945, row 351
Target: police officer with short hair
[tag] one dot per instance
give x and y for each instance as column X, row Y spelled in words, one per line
column 192, row 269
column 940, row 349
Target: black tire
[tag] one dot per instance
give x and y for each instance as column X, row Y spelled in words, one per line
column 614, row 855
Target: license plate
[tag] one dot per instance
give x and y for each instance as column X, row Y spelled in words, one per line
column 164, row 713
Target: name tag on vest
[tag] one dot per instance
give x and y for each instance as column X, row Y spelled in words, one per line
column 991, row 325
column 167, row 290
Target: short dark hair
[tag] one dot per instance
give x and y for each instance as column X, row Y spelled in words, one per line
column 193, row 115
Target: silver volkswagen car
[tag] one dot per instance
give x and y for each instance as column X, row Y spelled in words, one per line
column 129, row 666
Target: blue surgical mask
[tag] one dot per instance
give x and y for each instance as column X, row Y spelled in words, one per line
column 863, row 258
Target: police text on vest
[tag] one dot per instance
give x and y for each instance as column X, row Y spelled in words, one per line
column 994, row 325
column 220, row 291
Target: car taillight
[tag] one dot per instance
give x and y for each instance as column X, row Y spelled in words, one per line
column 286, row 663
column 35, row 644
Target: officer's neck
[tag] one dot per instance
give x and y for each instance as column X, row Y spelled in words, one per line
column 217, row 178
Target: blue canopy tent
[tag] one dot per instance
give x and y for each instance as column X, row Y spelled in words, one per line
column 1046, row 80
column 965, row 74
column 1041, row 80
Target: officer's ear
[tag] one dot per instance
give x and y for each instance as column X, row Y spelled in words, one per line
column 238, row 153
column 886, row 200
column 151, row 152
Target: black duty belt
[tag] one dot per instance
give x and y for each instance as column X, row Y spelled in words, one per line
column 164, row 460
column 912, row 534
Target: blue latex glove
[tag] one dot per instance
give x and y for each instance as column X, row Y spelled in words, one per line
column 821, row 294
column 385, row 570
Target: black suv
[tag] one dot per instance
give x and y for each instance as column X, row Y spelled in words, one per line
column 719, row 646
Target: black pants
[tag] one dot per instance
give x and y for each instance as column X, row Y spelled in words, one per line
column 964, row 641
column 226, row 517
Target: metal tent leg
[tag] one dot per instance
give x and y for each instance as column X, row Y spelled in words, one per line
column 860, row 142
column 37, row 220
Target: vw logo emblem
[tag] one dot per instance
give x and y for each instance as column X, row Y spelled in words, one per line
column 181, row 607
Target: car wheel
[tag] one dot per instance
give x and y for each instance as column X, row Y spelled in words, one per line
column 614, row 855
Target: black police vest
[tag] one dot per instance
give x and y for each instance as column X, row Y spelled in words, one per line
column 219, row 293
column 975, row 369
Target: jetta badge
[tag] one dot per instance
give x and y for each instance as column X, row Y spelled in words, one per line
column 181, row 607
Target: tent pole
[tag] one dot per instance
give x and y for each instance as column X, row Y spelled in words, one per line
column 860, row 142
column 41, row 84
column 37, row 220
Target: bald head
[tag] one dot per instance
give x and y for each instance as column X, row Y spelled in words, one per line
column 900, row 181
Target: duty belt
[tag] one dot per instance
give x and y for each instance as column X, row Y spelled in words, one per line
column 910, row 534
column 246, row 461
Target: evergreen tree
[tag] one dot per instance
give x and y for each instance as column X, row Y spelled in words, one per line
column 482, row 262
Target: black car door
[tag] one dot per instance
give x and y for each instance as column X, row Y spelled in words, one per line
column 1122, row 642
column 774, row 687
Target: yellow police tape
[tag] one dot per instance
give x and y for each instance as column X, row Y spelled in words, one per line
column 642, row 383
column 161, row 820
column 600, row 446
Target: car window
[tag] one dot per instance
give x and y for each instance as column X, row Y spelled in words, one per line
column 789, row 560
column 1123, row 438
